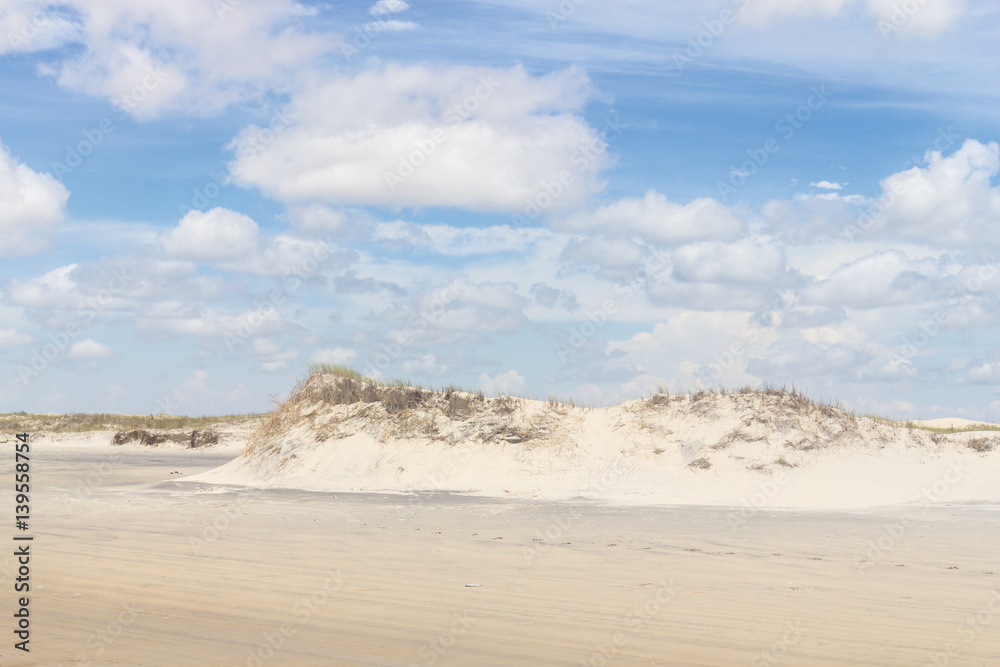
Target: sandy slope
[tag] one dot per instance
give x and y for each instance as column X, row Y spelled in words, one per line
column 753, row 448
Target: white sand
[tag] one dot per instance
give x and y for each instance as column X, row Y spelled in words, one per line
column 749, row 447
column 133, row 568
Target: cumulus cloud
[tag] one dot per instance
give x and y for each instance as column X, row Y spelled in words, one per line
column 950, row 200
column 31, row 206
column 217, row 235
column 458, row 241
column 551, row 297
column 9, row 337
column 176, row 318
column 423, row 365
column 658, row 220
column 984, row 373
column 271, row 356
column 27, row 27
column 384, row 7
column 761, row 12
column 89, row 350
column 747, row 261
column 54, row 289
column 827, row 185
column 480, row 138
column 189, row 56
column 391, row 26
column 924, row 17
column 338, row 356
column 460, row 311
column 502, row 383
column 880, row 279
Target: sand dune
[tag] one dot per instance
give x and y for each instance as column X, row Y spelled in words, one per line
column 751, row 448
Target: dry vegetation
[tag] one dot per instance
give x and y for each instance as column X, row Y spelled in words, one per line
column 79, row 423
column 336, row 401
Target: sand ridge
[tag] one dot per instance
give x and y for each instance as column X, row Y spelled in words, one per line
column 346, row 434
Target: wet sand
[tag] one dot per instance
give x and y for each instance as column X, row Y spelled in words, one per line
column 138, row 569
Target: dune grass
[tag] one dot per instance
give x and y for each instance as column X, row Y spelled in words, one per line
column 81, row 423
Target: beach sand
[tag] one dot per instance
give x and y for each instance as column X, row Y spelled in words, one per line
column 135, row 568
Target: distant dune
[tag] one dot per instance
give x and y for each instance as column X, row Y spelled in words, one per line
column 339, row 432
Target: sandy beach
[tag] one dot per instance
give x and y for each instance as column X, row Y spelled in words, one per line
column 137, row 568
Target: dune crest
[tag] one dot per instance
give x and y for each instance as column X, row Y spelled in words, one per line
column 341, row 432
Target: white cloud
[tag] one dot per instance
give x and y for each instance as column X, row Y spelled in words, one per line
column 462, row 310
column 659, row 220
column 53, row 289
column 177, row 318
column 383, row 7
column 502, row 383
column 391, row 26
column 88, row 350
column 950, row 200
column 985, row 373
column 27, row 27
column 31, row 206
column 921, row 17
column 827, row 185
column 10, row 337
column 338, row 356
column 480, row 138
column 764, row 11
column 423, row 365
column 186, row 56
column 216, row 235
column 747, row 261
column 880, row 279
column 450, row 240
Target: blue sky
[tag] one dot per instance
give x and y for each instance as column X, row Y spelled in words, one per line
column 575, row 198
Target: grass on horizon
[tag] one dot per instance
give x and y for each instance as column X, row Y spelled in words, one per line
column 79, row 422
